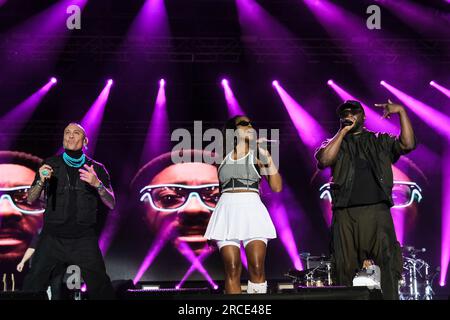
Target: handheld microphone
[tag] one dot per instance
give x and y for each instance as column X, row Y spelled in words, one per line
column 346, row 123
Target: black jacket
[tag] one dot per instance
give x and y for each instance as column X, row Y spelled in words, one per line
column 58, row 188
column 380, row 149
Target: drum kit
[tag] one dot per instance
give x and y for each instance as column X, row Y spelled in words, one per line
column 316, row 274
column 416, row 282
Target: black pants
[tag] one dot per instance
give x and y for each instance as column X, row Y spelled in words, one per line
column 52, row 252
column 366, row 232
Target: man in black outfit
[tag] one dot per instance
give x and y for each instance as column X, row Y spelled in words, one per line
column 361, row 190
column 75, row 185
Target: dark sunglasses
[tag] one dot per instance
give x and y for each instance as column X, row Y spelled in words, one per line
column 244, row 123
column 347, row 112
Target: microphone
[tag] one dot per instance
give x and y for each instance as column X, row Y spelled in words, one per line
column 346, row 123
column 262, row 140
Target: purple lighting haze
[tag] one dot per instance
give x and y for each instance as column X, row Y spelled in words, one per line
column 157, row 140
column 14, row 120
column 422, row 18
column 151, row 23
column 244, row 257
column 308, row 129
column 442, row 89
column 283, row 227
column 233, row 105
column 445, row 227
column 429, row 115
column 92, row 120
column 193, row 267
column 159, row 242
column 187, row 252
column 349, row 31
column 258, row 28
column 25, row 41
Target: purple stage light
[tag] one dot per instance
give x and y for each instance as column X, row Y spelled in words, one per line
column 110, row 228
column 232, row 103
column 429, row 115
column 53, row 80
column 330, row 82
column 244, row 257
column 92, row 120
column 189, row 254
column 303, row 122
column 150, row 25
column 157, row 140
column 445, row 226
column 193, row 266
column 12, row 122
column 281, row 220
column 161, row 238
column 382, row 82
column 442, row 89
column 275, row 83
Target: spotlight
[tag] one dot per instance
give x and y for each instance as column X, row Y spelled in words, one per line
column 162, row 83
column 177, row 287
column 275, row 83
column 53, row 80
column 330, row 82
column 110, row 81
column 382, row 82
column 216, row 287
column 224, row 82
column 432, row 83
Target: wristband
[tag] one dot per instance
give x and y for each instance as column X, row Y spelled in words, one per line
column 100, row 186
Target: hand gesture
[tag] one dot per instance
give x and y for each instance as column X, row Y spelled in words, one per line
column 88, row 175
column 389, row 108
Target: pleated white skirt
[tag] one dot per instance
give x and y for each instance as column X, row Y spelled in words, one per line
column 240, row 216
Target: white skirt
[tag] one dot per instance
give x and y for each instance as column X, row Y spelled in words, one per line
column 240, row 216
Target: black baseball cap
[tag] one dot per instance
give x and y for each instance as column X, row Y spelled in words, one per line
column 350, row 104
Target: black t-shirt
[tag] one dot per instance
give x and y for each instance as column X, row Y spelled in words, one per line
column 365, row 190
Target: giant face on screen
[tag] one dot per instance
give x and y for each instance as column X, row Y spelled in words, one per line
column 19, row 220
column 178, row 196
